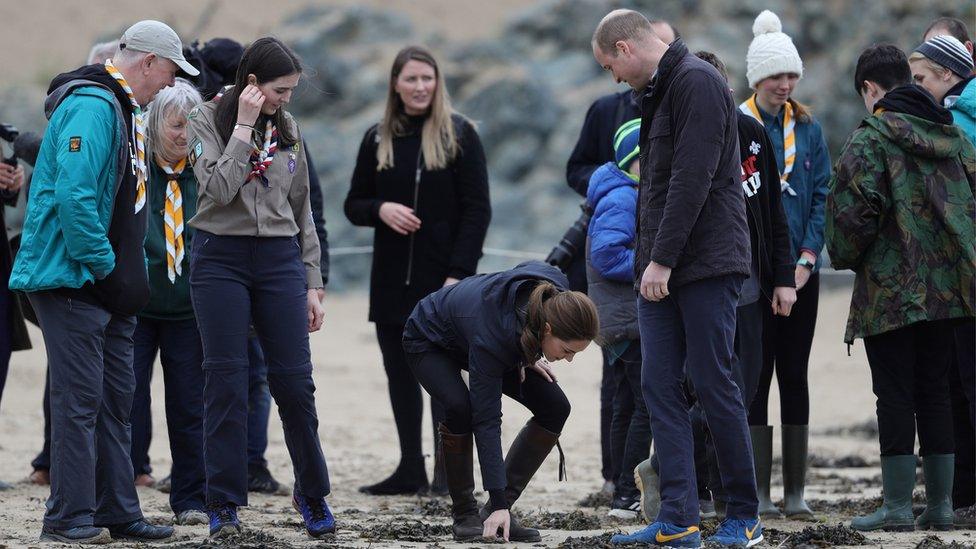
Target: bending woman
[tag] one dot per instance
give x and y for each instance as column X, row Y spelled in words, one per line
column 256, row 258
column 504, row 329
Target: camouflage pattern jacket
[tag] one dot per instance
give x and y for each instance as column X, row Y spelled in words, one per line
column 901, row 215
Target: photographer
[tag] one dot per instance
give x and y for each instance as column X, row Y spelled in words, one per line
column 13, row 331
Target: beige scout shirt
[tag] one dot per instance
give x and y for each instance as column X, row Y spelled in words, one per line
column 228, row 204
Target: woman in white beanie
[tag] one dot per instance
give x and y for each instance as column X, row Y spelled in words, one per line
column 773, row 69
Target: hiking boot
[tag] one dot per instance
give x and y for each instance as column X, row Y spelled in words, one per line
column 795, row 439
column 223, row 520
column 662, row 534
column 938, row 513
column 459, row 474
column 737, row 533
column 88, row 535
column 139, row 530
column 762, row 459
column 259, row 480
column 318, row 518
column 191, row 517
column 649, row 484
column 897, row 483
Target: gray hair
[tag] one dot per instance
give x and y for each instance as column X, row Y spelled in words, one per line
column 102, row 51
column 621, row 25
column 180, row 99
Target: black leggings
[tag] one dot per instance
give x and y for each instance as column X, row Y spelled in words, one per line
column 405, row 396
column 786, row 349
column 440, row 375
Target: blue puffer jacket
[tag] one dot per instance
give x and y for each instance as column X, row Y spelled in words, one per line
column 612, row 195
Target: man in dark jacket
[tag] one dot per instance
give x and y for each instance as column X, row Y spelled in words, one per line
column 593, row 149
column 83, row 265
column 692, row 256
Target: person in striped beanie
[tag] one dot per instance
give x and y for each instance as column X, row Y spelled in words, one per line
column 773, row 69
column 942, row 65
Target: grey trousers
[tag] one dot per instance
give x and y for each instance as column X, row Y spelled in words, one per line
column 89, row 353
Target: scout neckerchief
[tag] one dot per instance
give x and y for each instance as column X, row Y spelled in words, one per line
column 750, row 108
column 139, row 133
column 260, row 158
column 173, row 218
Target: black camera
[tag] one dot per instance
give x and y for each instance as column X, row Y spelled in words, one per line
column 572, row 242
column 9, row 134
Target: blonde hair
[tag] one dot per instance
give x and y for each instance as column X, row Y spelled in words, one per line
column 571, row 316
column 439, row 142
column 938, row 69
column 180, row 99
column 621, row 25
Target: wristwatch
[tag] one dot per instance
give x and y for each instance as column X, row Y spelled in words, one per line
column 804, row 262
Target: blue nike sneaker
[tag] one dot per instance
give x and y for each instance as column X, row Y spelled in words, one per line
column 662, row 533
column 316, row 514
column 223, row 520
column 738, row 533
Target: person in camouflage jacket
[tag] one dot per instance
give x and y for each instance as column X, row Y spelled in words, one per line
column 900, row 214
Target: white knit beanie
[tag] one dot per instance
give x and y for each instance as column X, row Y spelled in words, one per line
column 771, row 51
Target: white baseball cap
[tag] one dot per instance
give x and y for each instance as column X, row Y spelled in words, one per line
column 158, row 38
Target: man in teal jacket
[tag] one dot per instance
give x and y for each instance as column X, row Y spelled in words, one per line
column 83, row 267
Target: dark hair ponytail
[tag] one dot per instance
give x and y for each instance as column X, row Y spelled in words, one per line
column 267, row 59
column 571, row 316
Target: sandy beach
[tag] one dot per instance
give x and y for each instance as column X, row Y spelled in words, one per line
column 360, row 444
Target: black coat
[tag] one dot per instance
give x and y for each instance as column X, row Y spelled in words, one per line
column 768, row 231
column 594, row 147
column 476, row 321
column 19, row 338
column 453, row 207
column 692, row 214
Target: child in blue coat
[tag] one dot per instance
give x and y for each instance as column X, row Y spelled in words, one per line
column 612, row 196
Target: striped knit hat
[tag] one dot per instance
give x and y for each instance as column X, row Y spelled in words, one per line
column 949, row 52
column 625, row 143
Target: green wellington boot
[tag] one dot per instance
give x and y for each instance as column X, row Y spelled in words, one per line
column 762, row 458
column 795, row 438
column 938, row 493
column 897, row 483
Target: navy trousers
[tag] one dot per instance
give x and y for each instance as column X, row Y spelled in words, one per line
column 89, row 352
column 181, row 356
column 694, row 328
column 747, row 365
column 234, row 280
column 258, row 404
